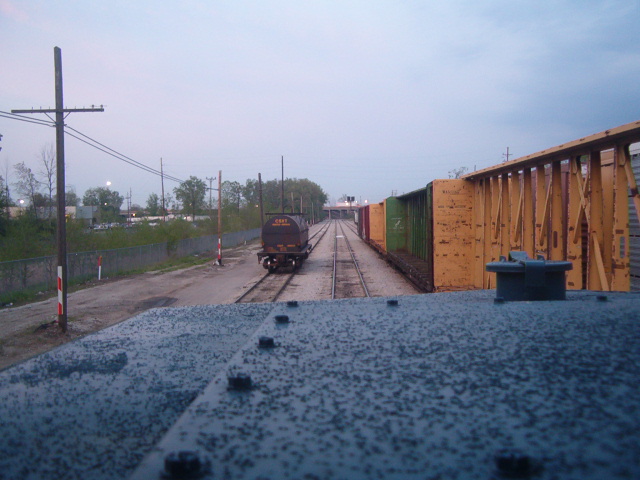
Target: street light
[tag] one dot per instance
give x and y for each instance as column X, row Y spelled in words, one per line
column 108, row 183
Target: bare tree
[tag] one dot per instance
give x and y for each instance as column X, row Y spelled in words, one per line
column 27, row 185
column 457, row 172
column 48, row 172
column 7, row 196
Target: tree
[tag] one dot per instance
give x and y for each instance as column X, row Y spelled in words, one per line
column 231, row 195
column 71, row 199
column 48, row 172
column 169, row 203
column 153, row 205
column 4, row 206
column 27, row 185
column 192, row 195
column 311, row 194
column 108, row 202
column 457, row 172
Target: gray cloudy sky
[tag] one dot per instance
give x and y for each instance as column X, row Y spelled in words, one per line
column 362, row 97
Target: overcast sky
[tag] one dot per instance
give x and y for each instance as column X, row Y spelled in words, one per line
column 362, row 97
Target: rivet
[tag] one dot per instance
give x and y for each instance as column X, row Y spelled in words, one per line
column 513, row 463
column 392, row 303
column 183, row 464
column 602, row 298
column 282, row 318
column 266, row 342
column 241, row 381
column 292, row 303
column 498, row 300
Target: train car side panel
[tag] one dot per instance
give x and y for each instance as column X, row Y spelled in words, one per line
column 395, row 213
column 453, row 235
column 366, row 230
column 376, row 226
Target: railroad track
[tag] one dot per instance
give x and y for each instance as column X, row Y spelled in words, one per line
column 347, row 280
column 271, row 285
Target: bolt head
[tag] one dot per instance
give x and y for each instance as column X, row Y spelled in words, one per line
column 241, row 381
column 266, row 342
column 292, row 303
column 182, row 464
column 513, row 463
column 282, row 318
column 602, row 298
column 392, row 303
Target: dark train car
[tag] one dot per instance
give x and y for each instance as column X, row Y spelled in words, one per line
column 285, row 242
column 363, row 222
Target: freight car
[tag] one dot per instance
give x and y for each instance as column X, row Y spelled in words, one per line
column 426, row 234
column 285, row 242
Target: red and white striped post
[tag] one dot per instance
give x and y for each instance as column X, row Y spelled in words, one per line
column 99, row 267
column 219, row 262
column 60, row 310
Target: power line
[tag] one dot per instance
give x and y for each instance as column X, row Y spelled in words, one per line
column 120, row 156
column 13, row 116
column 92, row 143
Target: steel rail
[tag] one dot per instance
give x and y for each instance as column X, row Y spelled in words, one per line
column 355, row 263
column 284, row 286
column 240, row 299
column 252, row 288
column 323, row 231
column 335, row 258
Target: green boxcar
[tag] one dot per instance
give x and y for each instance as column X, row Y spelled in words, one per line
column 395, row 214
column 409, row 235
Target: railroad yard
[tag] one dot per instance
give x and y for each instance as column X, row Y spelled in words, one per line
column 28, row 330
column 341, row 266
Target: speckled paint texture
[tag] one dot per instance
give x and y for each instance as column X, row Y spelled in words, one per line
column 432, row 388
column 91, row 409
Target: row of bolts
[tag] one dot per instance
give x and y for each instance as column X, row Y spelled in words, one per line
column 187, row 464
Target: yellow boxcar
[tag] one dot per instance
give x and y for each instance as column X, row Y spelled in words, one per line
column 453, row 238
column 377, row 226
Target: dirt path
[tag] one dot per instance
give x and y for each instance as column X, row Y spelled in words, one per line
column 28, row 330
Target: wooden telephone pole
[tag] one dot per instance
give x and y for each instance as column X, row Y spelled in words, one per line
column 60, row 183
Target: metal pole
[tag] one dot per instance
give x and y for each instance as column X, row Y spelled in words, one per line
column 282, row 185
column 61, row 235
column 260, row 200
column 220, row 217
column 164, row 217
column 211, row 179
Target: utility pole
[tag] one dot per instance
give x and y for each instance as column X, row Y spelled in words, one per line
column 219, row 218
column 506, row 155
column 282, row 185
column 260, row 200
column 129, row 207
column 60, row 182
column 211, row 179
column 164, row 217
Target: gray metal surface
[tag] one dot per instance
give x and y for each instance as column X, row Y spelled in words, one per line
column 433, row 388
column 634, row 231
column 93, row 408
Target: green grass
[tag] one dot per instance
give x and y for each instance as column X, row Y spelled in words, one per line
column 36, row 294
